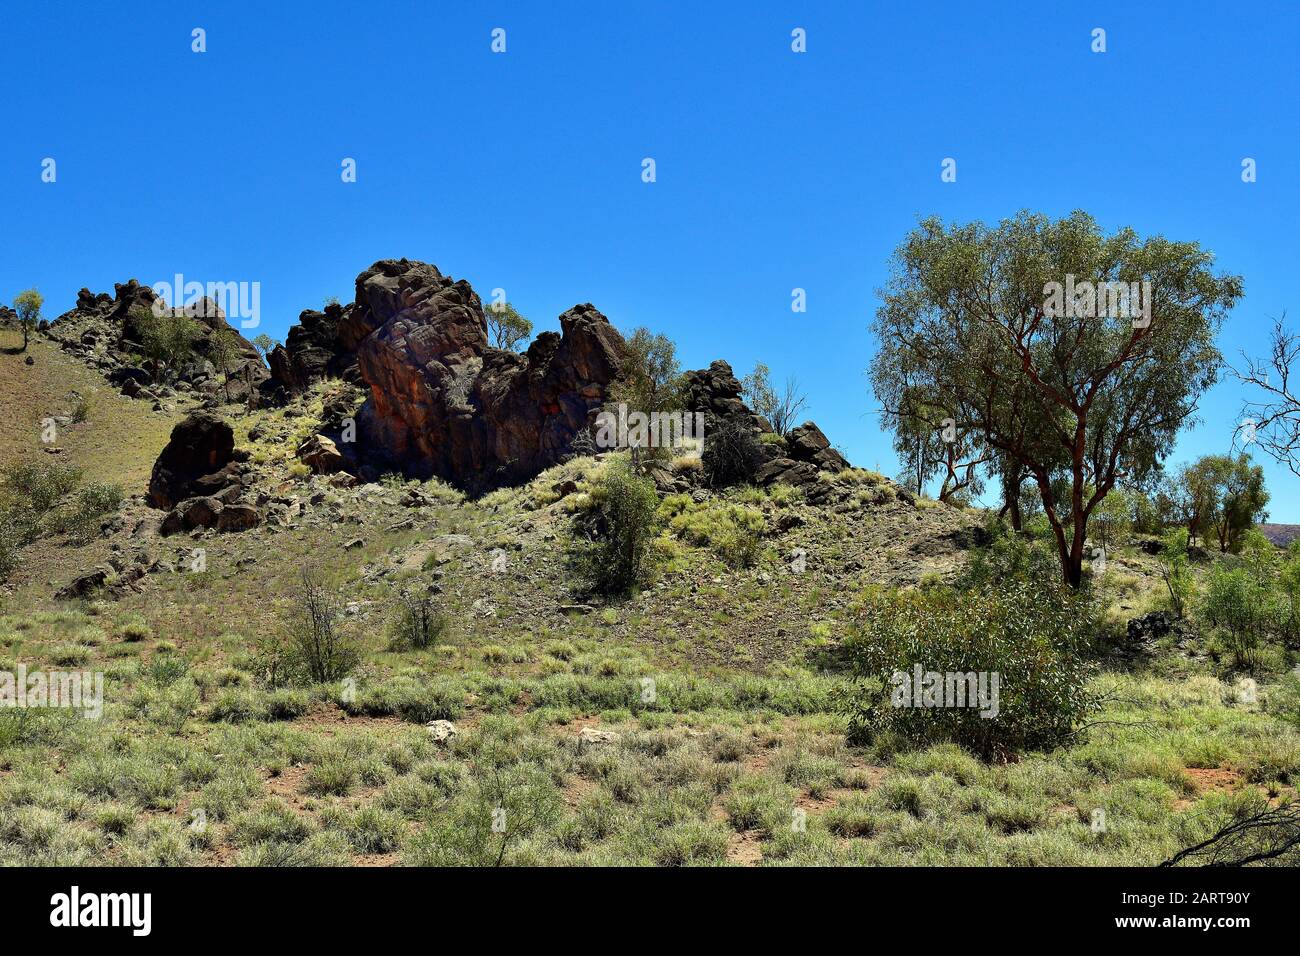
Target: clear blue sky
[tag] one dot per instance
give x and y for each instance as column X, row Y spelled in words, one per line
column 522, row 170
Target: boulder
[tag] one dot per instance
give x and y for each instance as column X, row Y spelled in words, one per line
column 321, row 455
column 442, row 731
column 84, row 583
column 807, row 443
column 200, row 445
column 238, row 518
column 200, row 513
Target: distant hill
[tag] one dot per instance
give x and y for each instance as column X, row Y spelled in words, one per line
column 1281, row 534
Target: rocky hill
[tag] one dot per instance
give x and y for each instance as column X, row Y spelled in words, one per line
column 689, row 722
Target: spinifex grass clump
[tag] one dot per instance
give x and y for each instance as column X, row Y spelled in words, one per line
column 1018, row 641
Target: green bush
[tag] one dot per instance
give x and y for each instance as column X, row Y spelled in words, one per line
column 734, row 532
column 1238, row 606
column 732, row 453
column 611, row 549
column 1028, row 636
column 418, row 623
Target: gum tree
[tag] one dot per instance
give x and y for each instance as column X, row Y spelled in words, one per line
column 28, row 306
column 506, row 326
column 1078, row 396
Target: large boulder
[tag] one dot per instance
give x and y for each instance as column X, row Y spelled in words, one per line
column 807, row 443
column 201, row 445
column 321, row 455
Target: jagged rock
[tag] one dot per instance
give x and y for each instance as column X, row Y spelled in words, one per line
column 200, row 445
column 320, row 454
column 807, row 443
column 83, row 584
column 442, row 402
column 238, row 517
column 116, row 320
column 314, row 349
column 787, row 470
column 716, row 392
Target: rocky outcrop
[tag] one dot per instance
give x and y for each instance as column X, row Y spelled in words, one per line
column 314, row 350
column 195, row 459
column 807, row 443
column 108, row 331
column 442, row 402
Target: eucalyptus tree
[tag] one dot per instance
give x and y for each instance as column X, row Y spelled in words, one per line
column 1074, row 354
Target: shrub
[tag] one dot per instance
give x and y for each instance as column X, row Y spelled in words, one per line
column 80, row 408
column 734, row 532
column 1004, row 555
column 1026, row 636
column 1176, row 571
column 419, row 623
column 40, row 486
column 317, row 650
column 1236, row 605
column 732, row 453
column 618, row 531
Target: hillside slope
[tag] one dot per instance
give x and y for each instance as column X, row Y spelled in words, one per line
column 692, row 723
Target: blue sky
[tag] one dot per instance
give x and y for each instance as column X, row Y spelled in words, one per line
column 522, row 170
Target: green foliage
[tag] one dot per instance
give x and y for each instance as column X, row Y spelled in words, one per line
column 506, row 326
column 265, row 345
column 223, row 350
column 1113, row 517
column 611, row 548
column 419, row 623
column 28, row 306
column 781, row 409
column 1008, row 556
column 313, row 649
column 1176, row 570
column 964, row 329
column 1225, row 497
column 1029, row 636
column 40, row 498
column 650, row 377
column 733, row 532
column 167, row 339
column 1237, row 605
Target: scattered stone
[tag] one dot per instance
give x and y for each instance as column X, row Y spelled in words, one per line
column 590, row 735
column 442, row 731
column 238, row 518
